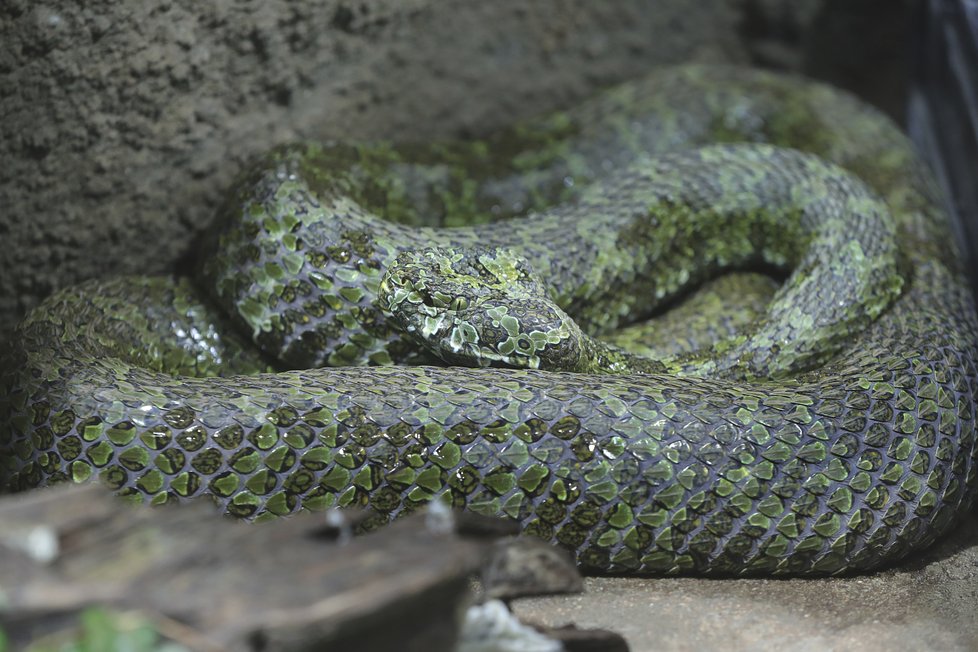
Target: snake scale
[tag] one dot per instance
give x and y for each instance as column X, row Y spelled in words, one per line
column 834, row 431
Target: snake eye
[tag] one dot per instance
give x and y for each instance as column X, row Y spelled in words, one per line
column 458, row 303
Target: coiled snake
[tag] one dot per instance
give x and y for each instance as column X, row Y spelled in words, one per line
column 834, row 431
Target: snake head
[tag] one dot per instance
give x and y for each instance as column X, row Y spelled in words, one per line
column 478, row 307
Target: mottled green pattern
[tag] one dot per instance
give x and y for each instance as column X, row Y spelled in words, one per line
column 849, row 465
column 723, row 308
column 626, row 244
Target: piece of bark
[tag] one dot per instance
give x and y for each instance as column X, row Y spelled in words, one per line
column 524, row 566
column 283, row 585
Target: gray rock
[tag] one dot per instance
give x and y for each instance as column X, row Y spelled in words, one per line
column 124, row 123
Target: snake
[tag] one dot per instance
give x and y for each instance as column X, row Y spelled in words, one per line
column 382, row 325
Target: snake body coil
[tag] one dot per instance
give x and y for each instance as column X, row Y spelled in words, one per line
column 834, row 432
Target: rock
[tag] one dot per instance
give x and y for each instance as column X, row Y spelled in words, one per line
column 172, row 98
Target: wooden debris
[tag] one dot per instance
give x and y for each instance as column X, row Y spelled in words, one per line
column 218, row 584
column 525, row 566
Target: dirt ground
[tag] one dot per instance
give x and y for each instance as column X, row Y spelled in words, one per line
column 122, row 123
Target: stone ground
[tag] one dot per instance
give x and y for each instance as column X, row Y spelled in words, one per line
column 927, row 603
column 123, row 122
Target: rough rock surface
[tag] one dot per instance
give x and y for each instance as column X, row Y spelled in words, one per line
column 123, row 122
